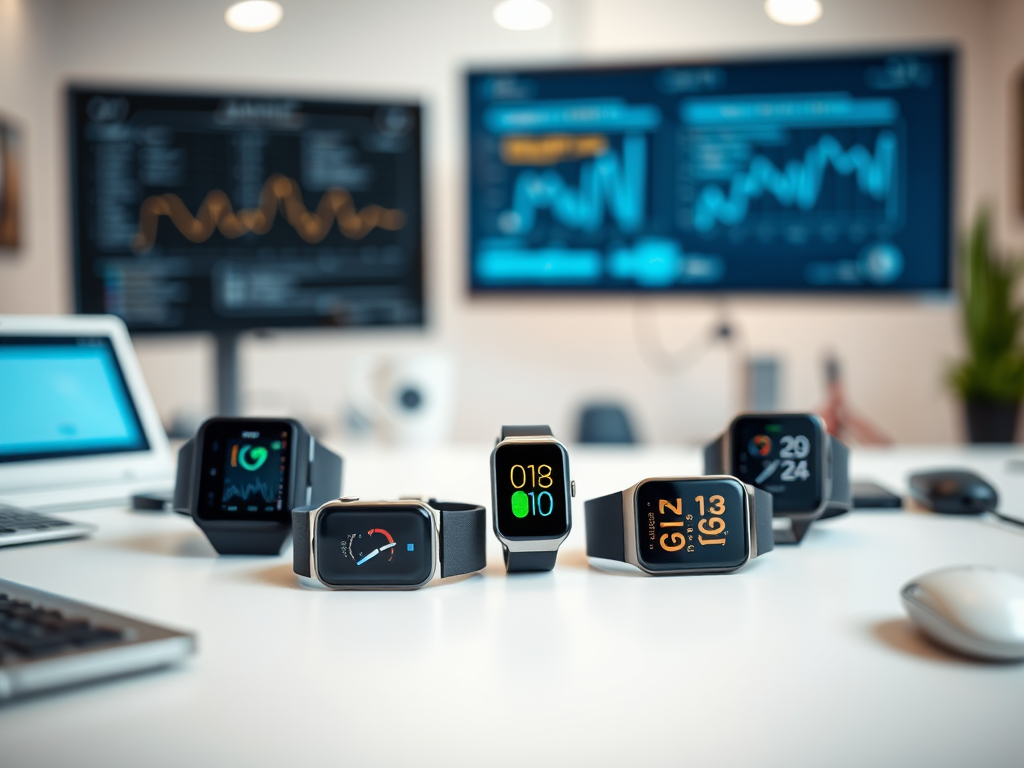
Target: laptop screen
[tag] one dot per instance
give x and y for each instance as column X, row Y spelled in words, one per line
column 62, row 397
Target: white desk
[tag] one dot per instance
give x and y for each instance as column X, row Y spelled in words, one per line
column 804, row 658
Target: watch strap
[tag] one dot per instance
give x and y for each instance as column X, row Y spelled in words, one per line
column 605, row 519
column 519, row 562
column 324, row 474
column 183, row 496
column 791, row 531
column 463, row 537
column 525, row 430
column 713, row 459
column 300, row 541
column 841, row 499
column 251, row 537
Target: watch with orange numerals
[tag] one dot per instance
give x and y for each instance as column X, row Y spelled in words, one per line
column 681, row 525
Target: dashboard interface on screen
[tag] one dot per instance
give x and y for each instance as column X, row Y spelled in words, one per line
column 220, row 213
column 817, row 174
column 64, row 397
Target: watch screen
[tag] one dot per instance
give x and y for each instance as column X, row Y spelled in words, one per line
column 530, row 485
column 780, row 456
column 684, row 523
column 245, row 469
column 369, row 545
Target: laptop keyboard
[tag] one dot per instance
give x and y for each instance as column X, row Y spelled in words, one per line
column 32, row 631
column 13, row 520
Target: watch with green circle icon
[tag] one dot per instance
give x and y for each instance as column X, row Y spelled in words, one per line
column 532, row 495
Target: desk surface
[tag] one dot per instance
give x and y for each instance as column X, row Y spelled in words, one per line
column 803, row 658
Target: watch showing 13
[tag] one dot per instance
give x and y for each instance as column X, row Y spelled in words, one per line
column 791, row 456
column 681, row 525
column 531, row 495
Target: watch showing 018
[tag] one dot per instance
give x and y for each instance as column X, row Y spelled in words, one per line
column 681, row 525
column 355, row 544
column 793, row 457
column 531, row 495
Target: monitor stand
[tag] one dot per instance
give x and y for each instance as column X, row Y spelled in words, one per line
column 227, row 373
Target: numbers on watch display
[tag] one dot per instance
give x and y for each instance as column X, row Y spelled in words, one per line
column 710, row 525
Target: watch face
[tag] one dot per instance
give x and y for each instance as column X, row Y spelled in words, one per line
column 374, row 545
column 780, row 455
column 245, row 470
column 531, row 490
column 684, row 524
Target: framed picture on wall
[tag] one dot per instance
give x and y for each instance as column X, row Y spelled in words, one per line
column 10, row 186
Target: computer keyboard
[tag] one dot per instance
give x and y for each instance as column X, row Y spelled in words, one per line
column 20, row 526
column 47, row 642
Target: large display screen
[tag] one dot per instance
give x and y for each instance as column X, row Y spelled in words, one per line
column 690, row 523
column 375, row 546
column 208, row 212
column 814, row 174
column 780, row 455
column 62, row 397
column 530, row 490
column 245, row 471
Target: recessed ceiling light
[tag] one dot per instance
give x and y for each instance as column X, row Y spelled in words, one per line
column 522, row 15
column 254, row 15
column 794, row 13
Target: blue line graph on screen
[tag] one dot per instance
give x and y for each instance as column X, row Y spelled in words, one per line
column 607, row 185
column 248, row 490
column 799, row 183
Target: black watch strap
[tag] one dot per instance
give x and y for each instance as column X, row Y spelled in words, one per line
column 525, row 430
column 183, row 479
column 841, row 499
column 300, row 541
column 463, row 537
column 520, row 562
column 249, row 538
column 714, row 461
column 606, row 522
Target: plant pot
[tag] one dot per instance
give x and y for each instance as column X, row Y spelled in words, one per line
column 989, row 422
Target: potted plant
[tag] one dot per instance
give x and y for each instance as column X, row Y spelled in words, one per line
column 991, row 379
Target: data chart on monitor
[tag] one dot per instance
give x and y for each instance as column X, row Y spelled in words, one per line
column 210, row 213
column 777, row 175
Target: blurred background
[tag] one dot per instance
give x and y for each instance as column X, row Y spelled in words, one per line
column 679, row 363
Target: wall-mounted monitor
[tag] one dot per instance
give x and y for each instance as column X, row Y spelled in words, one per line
column 816, row 174
column 226, row 212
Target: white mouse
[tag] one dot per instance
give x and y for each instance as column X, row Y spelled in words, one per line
column 975, row 610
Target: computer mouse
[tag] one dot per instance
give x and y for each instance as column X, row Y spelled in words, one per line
column 953, row 492
column 975, row 610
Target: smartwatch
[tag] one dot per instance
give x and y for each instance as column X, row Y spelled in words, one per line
column 793, row 457
column 681, row 525
column 354, row 544
column 531, row 496
column 240, row 478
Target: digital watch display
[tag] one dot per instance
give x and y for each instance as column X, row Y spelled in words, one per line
column 681, row 525
column 240, row 478
column 531, row 497
column 792, row 457
column 355, row 544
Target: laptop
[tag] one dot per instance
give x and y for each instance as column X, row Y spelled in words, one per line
column 78, row 427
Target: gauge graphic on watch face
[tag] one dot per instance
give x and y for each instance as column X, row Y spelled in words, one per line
column 374, row 545
column 780, row 455
column 362, row 548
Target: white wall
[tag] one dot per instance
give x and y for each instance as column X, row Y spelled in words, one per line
column 519, row 359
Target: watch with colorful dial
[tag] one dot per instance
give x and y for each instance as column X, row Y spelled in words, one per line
column 403, row 544
column 531, row 494
column 792, row 456
column 240, row 478
column 681, row 525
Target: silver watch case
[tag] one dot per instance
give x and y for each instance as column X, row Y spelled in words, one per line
column 631, row 523
column 536, row 544
column 824, row 461
column 343, row 502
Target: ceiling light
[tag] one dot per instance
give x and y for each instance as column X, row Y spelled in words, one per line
column 522, row 15
column 795, row 13
column 254, row 15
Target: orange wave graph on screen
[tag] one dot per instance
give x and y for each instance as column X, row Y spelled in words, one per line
column 279, row 194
